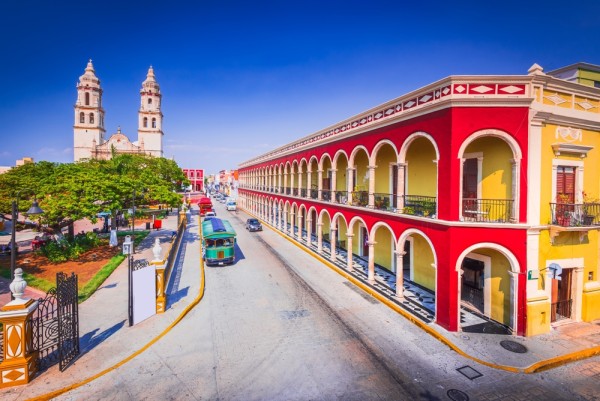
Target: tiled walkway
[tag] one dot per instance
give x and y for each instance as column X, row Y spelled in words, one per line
column 417, row 300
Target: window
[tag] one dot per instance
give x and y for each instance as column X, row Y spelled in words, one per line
column 87, row 98
column 154, row 123
column 565, row 184
column 145, row 122
column 82, row 117
column 149, row 100
column 91, row 118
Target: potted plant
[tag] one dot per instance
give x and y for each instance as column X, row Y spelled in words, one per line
column 590, row 206
column 563, row 210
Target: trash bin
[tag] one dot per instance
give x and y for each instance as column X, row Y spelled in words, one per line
column 147, row 225
column 157, row 224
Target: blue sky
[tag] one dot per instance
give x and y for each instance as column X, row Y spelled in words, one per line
column 240, row 78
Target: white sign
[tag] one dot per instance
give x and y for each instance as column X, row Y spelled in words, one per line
column 144, row 293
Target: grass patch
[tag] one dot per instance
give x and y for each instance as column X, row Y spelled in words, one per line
column 32, row 281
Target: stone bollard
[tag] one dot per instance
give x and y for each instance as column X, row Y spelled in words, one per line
column 20, row 360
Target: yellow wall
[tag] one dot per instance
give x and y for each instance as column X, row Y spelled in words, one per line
column 421, row 170
column 499, row 281
column 591, row 305
column 538, row 317
column 383, row 248
column 496, row 175
column 341, row 175
column 362, row 179
column 422, row 259
column 385, row 156
column 356, row 240
column 342, row 230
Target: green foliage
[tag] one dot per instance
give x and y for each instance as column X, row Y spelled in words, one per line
column 96, row 281
column 63, row 250
column 72, row 191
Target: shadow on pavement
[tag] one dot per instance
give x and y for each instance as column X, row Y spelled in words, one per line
column 90, row 340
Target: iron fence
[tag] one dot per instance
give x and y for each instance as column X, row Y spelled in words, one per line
column 488, row 210
column 303, row 192
column 341, row 197
column 314, row 193
column 326, row 195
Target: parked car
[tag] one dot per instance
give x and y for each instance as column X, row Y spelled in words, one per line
column 210, row 215
column 253, row 225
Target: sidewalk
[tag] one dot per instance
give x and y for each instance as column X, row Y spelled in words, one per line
column 105, row 337
column 481, row 340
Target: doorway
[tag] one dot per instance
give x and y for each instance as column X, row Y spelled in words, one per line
column 562, row 300
column 471, row 294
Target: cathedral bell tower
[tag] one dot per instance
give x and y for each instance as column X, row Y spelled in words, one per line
column 88, row 128
column 150, row 117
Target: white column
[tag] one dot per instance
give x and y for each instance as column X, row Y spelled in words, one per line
column 333, row 185
column 400, row 186
column 349, row 260
column 320, row 184
column 399, row 274
column 308, row 182
column 350, row 185
column 292, row 216
column 308, row 230
column 515, row 167
column 299, row 225
column 299, row 183
column 319, row 238
column 332, row 241
column 371, row 275
column 372, row 186
column 292, row 181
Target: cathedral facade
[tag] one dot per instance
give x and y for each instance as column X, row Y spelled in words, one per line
column 89, row 140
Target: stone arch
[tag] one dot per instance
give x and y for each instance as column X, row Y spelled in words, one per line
column 489, row 273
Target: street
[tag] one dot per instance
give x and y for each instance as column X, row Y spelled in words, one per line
column 279, row 325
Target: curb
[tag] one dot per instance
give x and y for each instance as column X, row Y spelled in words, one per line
column 195, row 302
column 534, row 368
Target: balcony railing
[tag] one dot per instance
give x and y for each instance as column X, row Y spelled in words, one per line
column 488, row 210
column 326, row 195
column 575, row 214
column 360, row 198
column 314, row 193
column 303, row 192
column 294, row 191
column 288, row 190
column 418, row 205
column 341, row 197
column 384, row 201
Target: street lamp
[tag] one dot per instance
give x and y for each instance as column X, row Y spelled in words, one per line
column 33, row 210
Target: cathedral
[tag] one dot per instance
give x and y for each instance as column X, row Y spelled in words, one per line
column 89, row 141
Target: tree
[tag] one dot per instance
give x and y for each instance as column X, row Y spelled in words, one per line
column 72, row 191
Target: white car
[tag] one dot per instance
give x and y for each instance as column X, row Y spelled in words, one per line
column 231, row 205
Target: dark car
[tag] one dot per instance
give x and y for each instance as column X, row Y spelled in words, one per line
column 253, row 225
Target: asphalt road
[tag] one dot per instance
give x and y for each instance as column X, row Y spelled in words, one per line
column 278, row 325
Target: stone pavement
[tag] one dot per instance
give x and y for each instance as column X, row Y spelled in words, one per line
column 106, row 340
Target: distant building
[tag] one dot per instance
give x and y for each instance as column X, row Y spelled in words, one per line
column 582, row 73
column 196, row 177
column 89, row 141
column 20, row 162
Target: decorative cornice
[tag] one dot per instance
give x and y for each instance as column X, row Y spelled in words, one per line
column 481, row 90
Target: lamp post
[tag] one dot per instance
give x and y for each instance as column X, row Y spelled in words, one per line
column 33, row 210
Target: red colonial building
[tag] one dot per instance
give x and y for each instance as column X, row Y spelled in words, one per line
column 430, row 189
column 196, row 177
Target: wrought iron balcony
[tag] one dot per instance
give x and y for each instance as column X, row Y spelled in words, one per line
column 385, row 202
column 326, row 195
column 488, row 210
column 418, row 205
column 575, row 214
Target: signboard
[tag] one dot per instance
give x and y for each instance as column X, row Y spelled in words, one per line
column 144, row 290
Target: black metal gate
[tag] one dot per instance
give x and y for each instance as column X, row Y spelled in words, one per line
column 56, row 324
